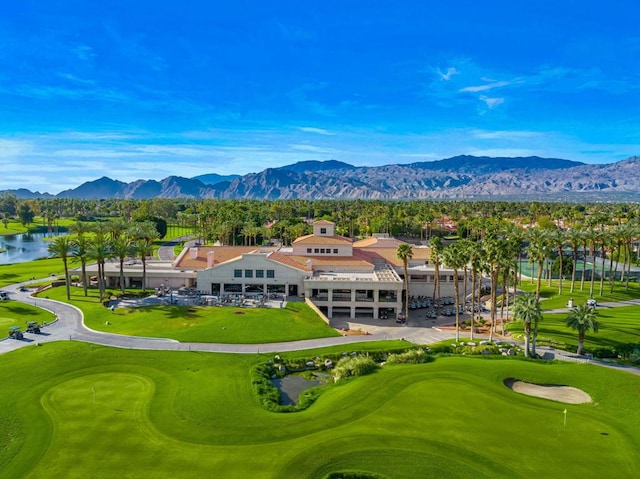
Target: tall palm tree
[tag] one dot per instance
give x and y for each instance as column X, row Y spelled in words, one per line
column 143, row 234
column 575, row 239
column 558, row 239
column 122, row 249
column 452, row 256
column 80, row 228
column 604, row 242
column 436, row 248
column 405, row 253
column 62, row 247
column 526, row 308
column 474, row 252
column 538, row 250
column 583, row 319
column 80, row 247
column 100, row 250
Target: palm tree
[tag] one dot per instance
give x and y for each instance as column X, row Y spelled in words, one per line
column 405, row 253
column 452, row 257
column 583, row 319
column 526, row 308
column 538, row 250
column 591, row 237
column 80, row 247
column 558, row 239
column 474, row 259
column 100, row 250
column 143, row 234
column 122, row 249
column 436, row 248
column 80, row 244
column 575, row 239
column 62, row 247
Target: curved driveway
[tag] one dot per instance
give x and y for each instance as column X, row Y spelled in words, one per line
column 69, row 326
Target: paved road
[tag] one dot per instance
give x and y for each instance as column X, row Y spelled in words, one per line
column 69, row 325
column 166, row 251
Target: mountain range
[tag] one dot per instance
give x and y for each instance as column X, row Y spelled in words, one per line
column 460, row 177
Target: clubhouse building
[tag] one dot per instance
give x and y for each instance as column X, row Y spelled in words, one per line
column 339, row 276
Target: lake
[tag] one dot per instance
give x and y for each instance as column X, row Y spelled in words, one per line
column 24, row 247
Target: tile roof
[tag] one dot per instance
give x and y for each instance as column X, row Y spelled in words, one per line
column 320, row 240
column 378, row 242
column 221, row 255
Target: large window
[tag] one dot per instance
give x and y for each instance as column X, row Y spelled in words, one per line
column 237, row 273
column 271, row 273
column 248, row 273
column 259, row 273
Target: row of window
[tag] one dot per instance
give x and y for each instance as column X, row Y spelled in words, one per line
column 322, row 251
column 254, row 273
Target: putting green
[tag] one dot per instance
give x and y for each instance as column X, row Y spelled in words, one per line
column 91, row 411
column 6, row 323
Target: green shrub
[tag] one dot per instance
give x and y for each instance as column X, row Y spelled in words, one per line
column 412, row 356
column 354, row 366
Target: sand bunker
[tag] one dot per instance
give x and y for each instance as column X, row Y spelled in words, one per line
column 565, row 394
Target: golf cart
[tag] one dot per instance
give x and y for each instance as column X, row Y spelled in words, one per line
column 33, row 327
column 15, row 333
column 4, row 296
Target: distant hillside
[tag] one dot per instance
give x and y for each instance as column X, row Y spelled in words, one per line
column 214, row 178
column 313, row 166
column 457, row 177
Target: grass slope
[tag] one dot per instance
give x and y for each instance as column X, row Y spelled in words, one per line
column 201, row 324
column 13, row 313
column 618, row 326
column 81, row 410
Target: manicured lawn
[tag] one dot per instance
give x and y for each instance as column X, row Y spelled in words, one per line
column 618, row 326
column 13, row 313
column 80, row 410
column 201, row 324
column 552, row 300
column 21, row 272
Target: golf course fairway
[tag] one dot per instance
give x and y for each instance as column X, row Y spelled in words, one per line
column 81, row 410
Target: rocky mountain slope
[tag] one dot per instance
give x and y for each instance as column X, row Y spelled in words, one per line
column 457, row 177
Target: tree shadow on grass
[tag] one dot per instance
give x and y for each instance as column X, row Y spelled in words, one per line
column 18, row 309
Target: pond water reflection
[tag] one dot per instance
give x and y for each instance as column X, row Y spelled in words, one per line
column 292, row 385
column 24, row 247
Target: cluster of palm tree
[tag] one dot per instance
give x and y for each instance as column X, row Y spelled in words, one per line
column 495, row 251
column 102, row 242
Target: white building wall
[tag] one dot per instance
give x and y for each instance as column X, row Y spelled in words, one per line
column 225, row 273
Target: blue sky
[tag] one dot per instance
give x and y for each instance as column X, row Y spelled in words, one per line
column 137, row 89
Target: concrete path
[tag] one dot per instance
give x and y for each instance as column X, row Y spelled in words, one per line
column 166, row 251
column 69, row 325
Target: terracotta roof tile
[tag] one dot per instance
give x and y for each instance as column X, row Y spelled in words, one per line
column 320, row 240
column 221, row 255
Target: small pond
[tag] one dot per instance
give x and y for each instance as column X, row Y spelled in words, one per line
column 292, row 385
column 24, row 247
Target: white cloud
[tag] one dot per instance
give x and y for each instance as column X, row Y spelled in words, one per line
column 491, row 102
column 12, row 148
column 319, row 131
column 311, row 148
column 504, row 134
column 489, row 86
column 448, row 74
